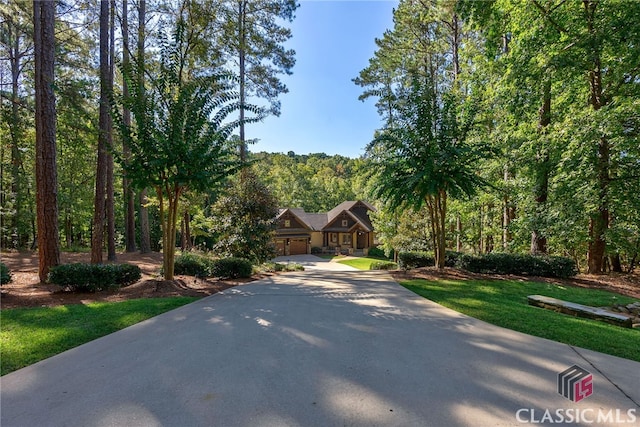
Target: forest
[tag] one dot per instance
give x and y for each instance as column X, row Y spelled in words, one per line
column 506, row 126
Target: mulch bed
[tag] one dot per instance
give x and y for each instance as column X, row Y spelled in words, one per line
column 25, row 289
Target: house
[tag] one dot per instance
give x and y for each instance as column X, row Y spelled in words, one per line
column 345, row 228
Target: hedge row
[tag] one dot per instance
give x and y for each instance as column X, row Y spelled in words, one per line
column 376, row 251
column 5, row 274
column 192, row 264
column 409, row 260
column 526, row 265
column 383, row 265
column 495, row 263
column 82, row 277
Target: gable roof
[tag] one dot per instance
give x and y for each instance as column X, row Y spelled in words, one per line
column 298, row 213
column 348, row 207
column 319, row 221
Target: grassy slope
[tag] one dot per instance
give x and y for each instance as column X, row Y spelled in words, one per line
column 28, row 335
column 504, row 303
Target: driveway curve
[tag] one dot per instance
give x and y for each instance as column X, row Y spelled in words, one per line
column 316, row 348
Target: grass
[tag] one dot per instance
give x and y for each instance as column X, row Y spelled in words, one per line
column 504, row 303
column 329, row 256
column 28, row 335
column 362, row 263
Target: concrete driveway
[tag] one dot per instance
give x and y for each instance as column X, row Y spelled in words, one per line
column 316, row 348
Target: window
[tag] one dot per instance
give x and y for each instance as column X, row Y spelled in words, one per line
column 345, row 222
column 346, row 239
column 334, row 237
column 287, row 223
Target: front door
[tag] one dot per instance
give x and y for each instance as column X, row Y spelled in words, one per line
column 362, row 241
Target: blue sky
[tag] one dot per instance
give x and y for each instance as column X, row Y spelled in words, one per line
column 333, row 41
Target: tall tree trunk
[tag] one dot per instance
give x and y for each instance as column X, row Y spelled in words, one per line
column 169, row 221
column 242, row 5
column 18, row 240
column 508, row 210
column 489, row 239
column 45, row 118
column 541, row 184
column 110, row 207
column 455, row 45
column 599, row 220
column 97, row 235
column 127, row 190
column 185, row 243
column 437, row 207
column 480, row 228
column 458, row 233
column 145, row 235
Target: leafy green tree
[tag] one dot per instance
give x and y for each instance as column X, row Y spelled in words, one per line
column 423, row 160
column 252, row 44
column 244, row 220
column 180, row 141
column 16, row 47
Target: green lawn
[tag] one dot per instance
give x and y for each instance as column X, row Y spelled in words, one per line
column 504, row 303
column 28, row 335
column 362, row 263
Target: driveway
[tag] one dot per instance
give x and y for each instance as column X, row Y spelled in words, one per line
column 316, row 348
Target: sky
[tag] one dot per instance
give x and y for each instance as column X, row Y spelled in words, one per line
column 333, row 41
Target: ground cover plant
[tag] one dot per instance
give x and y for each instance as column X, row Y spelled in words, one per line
column 32, row 334
column 273, row 267
column 504, row 303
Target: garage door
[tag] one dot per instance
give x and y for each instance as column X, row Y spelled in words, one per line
column 298, row 247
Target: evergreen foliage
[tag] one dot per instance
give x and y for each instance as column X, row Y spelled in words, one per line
column 80, row 277
column 5, row 274
column 244, row 220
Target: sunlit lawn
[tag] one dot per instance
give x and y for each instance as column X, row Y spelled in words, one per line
column 28, row 335
column 504, row 303
column 361, row 263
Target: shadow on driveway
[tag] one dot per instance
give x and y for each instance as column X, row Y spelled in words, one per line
column 313, row 348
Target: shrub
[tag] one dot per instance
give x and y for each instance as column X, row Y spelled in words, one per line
column 5, row 274
column 127, row 274
column 231, row 268
column 523, row 264
column 451, row 258
column 192, row 264
column 377, row 252
column 383, row 265
column 294, row 267
column 316, row 250
column 81, row 277
column 409, row 260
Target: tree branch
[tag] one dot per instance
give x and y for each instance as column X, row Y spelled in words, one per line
column 546, row 13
